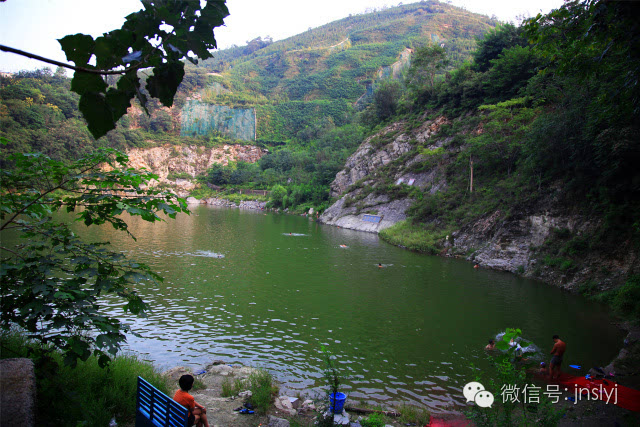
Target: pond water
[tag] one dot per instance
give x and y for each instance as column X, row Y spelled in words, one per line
column 269, row 290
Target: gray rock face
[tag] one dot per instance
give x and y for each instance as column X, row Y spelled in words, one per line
column 390, row 213
column 512, row 245
column 367, row 159
column 362, row 168
column 18, row 396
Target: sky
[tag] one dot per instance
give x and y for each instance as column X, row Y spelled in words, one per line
column 35, row 25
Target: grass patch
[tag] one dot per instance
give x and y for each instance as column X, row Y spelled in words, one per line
column 626, row 301
column 419, row 238
column 87, row 394
column 231, row 387
column 263, row 389
column 373, row 420
column 172, row 176
column 410, row 414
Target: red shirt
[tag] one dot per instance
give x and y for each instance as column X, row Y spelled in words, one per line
column 185, row 399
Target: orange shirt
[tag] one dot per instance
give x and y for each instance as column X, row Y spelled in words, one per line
column 185, row 399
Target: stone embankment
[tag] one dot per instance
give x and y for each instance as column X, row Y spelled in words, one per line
column 244, row 204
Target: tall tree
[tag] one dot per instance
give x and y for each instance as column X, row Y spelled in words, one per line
column 52, row 280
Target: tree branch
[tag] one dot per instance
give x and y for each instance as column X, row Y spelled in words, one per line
column 62, row 64
column 50, row 190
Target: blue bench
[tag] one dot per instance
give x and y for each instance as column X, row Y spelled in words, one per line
column 156, row 409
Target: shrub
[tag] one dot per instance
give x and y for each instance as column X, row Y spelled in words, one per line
column 263, row 389
column 410, row 414
column 232, row 387
column 627, row 299
column 87, row 394
column 426, row 239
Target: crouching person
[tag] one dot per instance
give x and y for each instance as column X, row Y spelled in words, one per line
column 197, row 412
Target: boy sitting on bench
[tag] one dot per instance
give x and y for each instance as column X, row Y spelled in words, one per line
column 197, row 412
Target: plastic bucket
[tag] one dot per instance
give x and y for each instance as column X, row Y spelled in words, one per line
column 336, row 402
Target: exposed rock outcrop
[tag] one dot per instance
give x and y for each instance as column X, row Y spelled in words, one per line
column 354, row 183
column 516, row 245
column 189, row 159
column 372, row 196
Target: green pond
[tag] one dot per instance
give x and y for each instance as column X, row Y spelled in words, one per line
column 268, row 290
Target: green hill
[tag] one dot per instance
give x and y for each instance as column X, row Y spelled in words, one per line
column 299, row 97
column 330, row 67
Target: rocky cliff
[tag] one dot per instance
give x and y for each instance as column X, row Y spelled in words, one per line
column 389, row 154
column 519, row 245
column 545, row 240
column 168, row 161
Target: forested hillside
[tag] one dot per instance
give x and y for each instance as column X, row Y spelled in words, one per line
column 539, row 132
column 305, row 95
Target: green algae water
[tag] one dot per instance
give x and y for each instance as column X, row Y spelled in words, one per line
column 269, row 290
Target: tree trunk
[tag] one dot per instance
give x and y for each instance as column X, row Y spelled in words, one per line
column 471, row 174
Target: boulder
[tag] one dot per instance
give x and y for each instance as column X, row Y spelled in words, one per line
column 175, row 373
column 295, row 402
column 277, row 422
column 339, row 419
column 284, row 404
column 223, row 370
column 308, row 404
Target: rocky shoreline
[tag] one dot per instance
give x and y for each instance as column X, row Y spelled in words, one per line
column 223, row 411
column 244, row 204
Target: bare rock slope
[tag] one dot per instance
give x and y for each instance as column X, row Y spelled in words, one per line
column 388, row 154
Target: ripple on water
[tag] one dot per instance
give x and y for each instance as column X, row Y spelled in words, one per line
column 378, row 323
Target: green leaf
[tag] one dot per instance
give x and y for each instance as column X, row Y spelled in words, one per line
column 165, row 81
column 78, row 48
column 103, row 361
column 118, row 101
column 111, row 47
column 83, row 82
column 97, row 112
